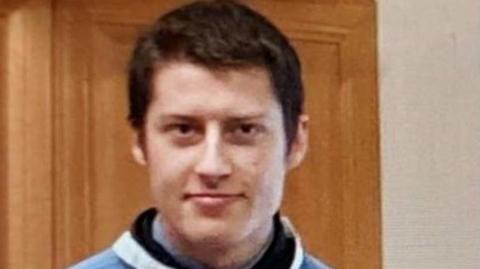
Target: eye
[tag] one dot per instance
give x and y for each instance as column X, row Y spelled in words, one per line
column 247, row 129
column 183, row 134
column 183, row 128
column 244, row 133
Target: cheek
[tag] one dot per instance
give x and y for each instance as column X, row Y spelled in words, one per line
column 262, row 171
column 168, row 176
column 273, row 178
column 271, row 185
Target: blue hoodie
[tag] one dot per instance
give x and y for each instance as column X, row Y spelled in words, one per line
column 128, row 252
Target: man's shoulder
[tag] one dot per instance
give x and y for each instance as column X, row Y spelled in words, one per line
column 102, row 260
column 310, row 262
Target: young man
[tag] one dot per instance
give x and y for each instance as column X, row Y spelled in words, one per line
column 216, row 101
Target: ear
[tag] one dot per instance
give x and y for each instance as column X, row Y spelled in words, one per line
column 299, row 146
column 138, row 148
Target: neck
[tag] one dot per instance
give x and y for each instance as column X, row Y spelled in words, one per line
column 216, row 255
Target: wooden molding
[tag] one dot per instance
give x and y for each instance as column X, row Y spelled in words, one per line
column 79, row 96
column 3, row 140
column 28, row 124
column 72, row 138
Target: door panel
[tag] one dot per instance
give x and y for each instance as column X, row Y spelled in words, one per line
column 333, row 199
column 313, row 192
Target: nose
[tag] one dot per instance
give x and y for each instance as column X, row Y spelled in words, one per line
column 212, row 165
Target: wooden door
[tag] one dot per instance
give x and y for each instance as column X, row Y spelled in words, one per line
column 92, row 190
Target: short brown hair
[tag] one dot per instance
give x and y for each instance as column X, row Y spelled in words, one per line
column 219, row 34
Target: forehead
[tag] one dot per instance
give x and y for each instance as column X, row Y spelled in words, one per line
column 187, row 88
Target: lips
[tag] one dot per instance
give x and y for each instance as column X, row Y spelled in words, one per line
column 213, row 200
column 213, row 195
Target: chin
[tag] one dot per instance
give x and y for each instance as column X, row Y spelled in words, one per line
column 211, row 231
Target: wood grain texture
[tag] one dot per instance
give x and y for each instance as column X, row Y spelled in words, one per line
column 3, row 140
column 72, row 139
column 99, row 188
column 28, row 123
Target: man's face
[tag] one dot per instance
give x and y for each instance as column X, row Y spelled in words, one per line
column 215, row 148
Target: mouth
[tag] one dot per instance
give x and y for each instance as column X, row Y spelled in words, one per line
column 213, row 200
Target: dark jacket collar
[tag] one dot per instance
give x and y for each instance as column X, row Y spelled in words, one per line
column 279, row 255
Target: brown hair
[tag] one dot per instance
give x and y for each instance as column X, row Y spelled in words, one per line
column 219, row 34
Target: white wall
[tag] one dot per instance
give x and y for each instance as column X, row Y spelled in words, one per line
column 430, row 116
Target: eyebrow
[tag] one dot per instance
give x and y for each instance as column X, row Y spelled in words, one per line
column 187, row 117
